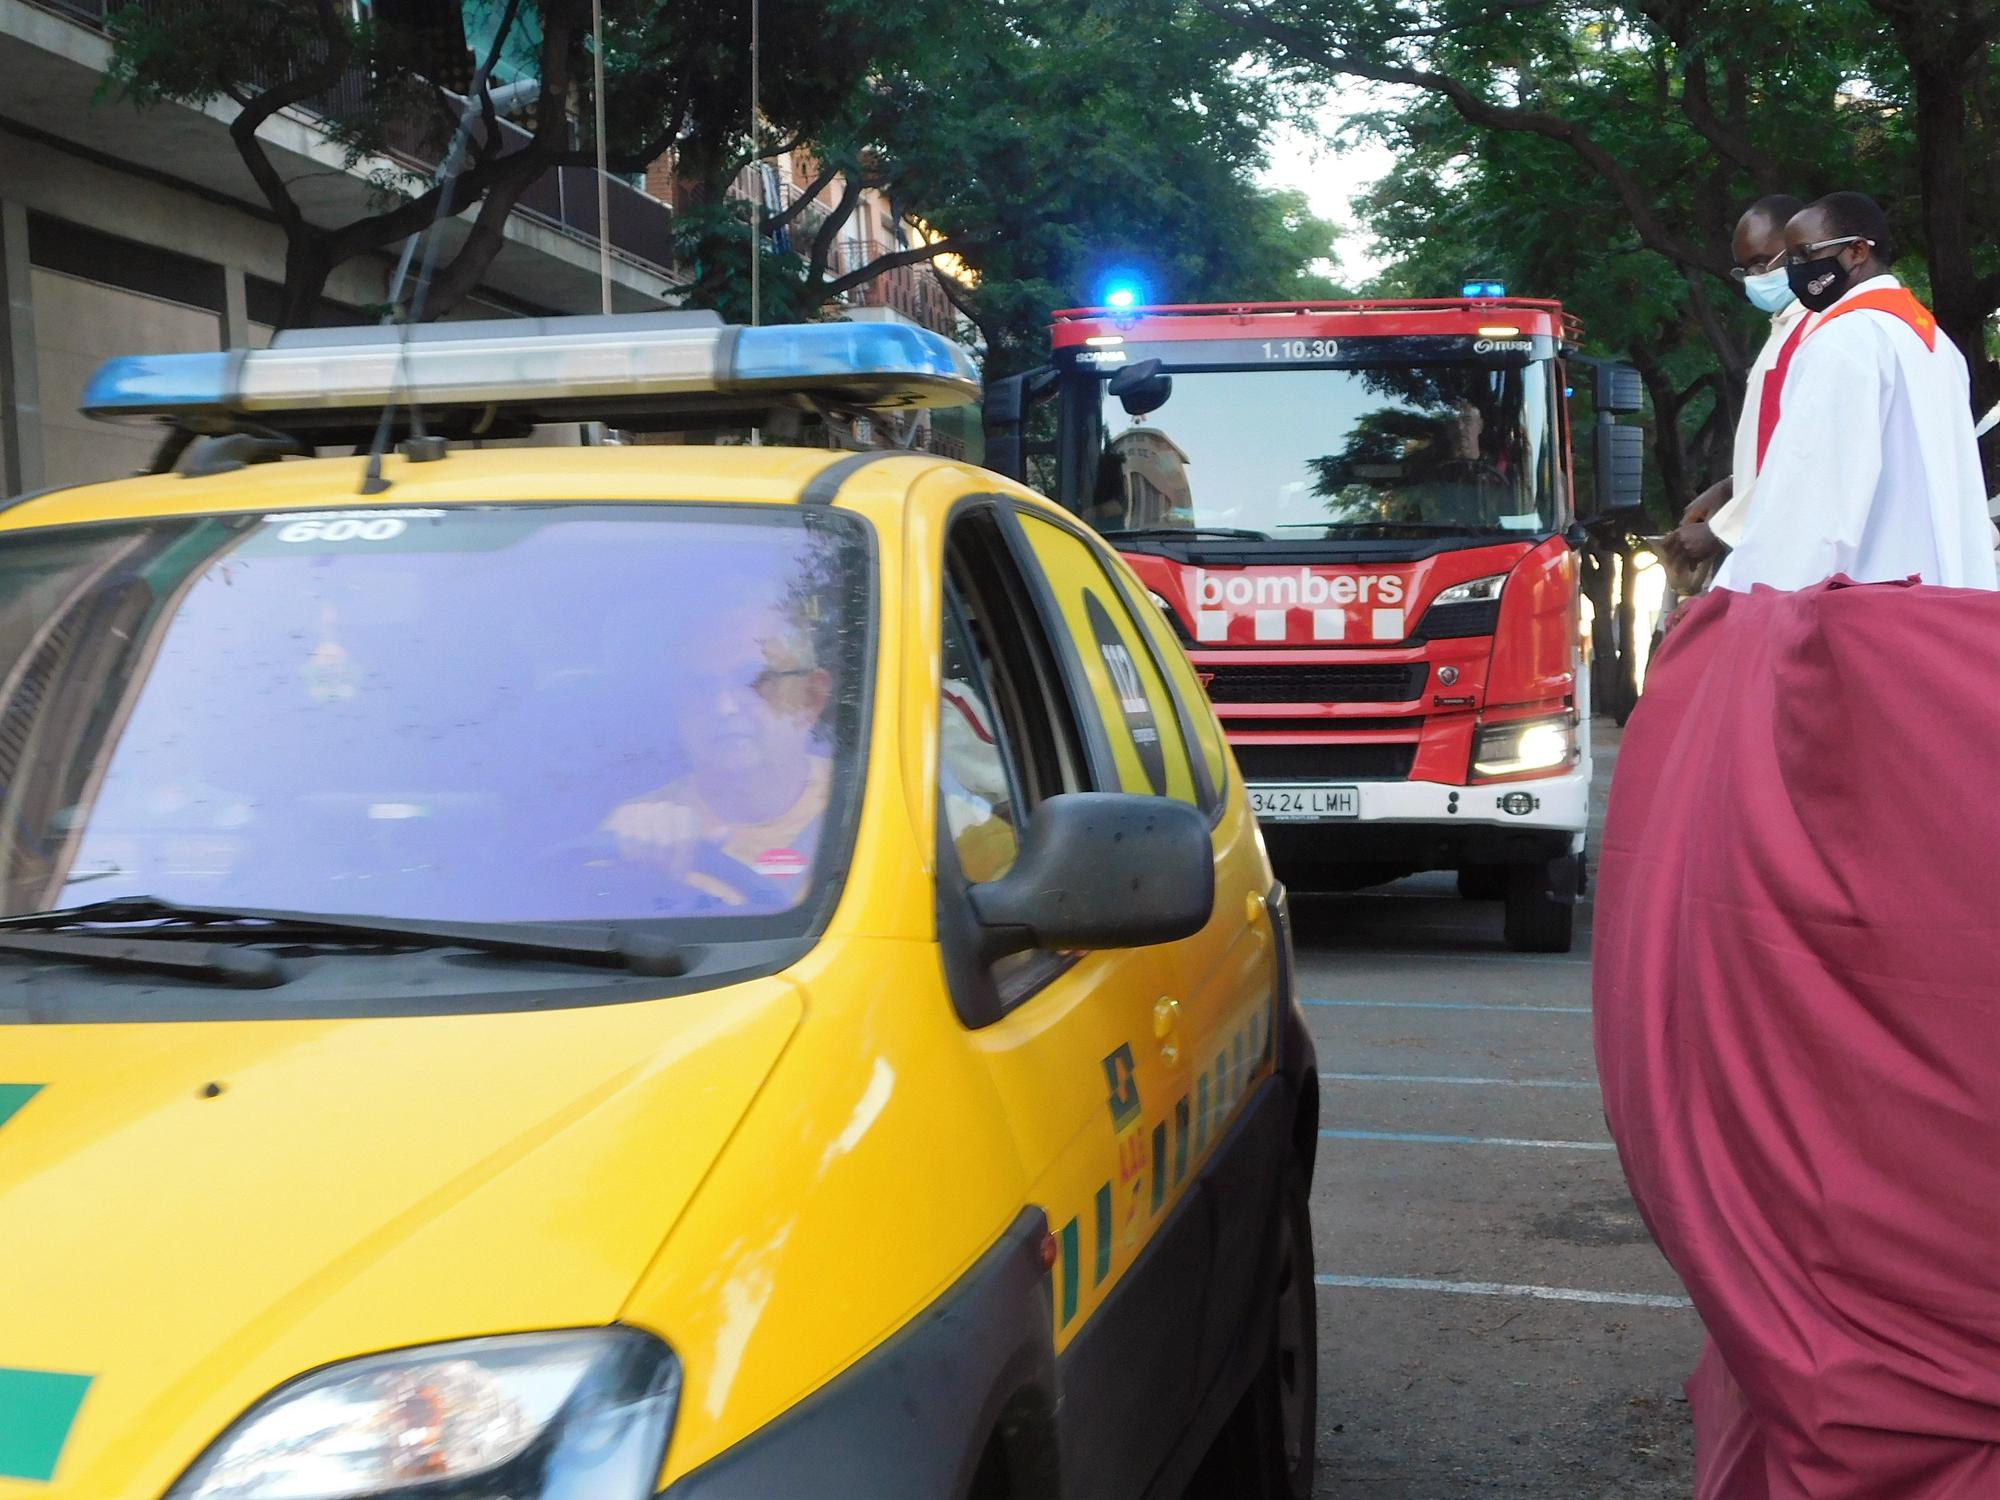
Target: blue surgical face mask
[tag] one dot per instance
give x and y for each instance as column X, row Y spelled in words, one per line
column 1770, row 292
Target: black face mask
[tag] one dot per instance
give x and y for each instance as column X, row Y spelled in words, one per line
column 1819, row 283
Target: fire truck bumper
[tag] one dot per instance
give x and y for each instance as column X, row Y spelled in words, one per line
column 1429, row 825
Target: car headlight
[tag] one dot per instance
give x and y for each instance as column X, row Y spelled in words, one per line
column 1524, row 746
column 580, row 1415
column 1473, row 591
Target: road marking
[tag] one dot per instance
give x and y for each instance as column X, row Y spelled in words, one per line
column 1461, row 1140
column 1504, row 1289
column 1505, row 1083
column 1550, row 1010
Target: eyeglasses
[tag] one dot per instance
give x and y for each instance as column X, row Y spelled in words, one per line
column 1806, row 253
column 1758, row 268
column 764, row 682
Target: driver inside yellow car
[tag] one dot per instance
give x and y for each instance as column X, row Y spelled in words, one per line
column 743, row 825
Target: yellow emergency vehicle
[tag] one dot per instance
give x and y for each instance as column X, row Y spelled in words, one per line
column 584, row 973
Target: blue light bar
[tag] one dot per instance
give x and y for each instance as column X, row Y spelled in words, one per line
column 638, row 366
column 1483, row 289
column 144, row 385
column 783, row 353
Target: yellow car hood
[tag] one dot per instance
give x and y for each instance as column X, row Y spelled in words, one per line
column 193, row 1213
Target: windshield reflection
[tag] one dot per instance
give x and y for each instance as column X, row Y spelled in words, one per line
column 490, row 714
column 1297, row 451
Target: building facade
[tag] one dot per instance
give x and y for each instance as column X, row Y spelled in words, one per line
column 126, row 230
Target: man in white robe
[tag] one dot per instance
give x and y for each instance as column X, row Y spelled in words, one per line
column 1716, row 520
column 1872, row 470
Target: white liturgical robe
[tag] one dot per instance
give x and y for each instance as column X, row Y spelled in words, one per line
column 1873, row 470
column 1732, row 517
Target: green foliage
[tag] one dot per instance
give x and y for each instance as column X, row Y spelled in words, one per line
column 1600, row 153
column 1043, row 141
column 1040, row 140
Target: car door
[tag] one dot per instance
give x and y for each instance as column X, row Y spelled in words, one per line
column 1085, row 1077
column 1223, row 982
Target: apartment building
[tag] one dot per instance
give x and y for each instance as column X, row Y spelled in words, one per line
column 124, row 229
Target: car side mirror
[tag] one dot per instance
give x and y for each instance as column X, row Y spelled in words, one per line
column 1142, row 388
column 1100, row 870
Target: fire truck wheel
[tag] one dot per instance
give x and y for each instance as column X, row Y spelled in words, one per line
column 1482, row 882
column 1536, row 921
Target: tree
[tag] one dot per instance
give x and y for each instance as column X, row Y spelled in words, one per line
column 1644, row 127
column 387, row 83
column 1036, row 142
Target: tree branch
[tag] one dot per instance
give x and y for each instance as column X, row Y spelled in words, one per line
column 1447, row 28
column 1675, row 19
column 829, row 230
column 883, row 264
column 805, row 199
column 1631, row 195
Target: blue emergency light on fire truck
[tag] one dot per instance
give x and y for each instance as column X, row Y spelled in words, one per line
column 1362, row 519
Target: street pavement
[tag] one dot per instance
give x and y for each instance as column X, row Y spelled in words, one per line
column 1493, row 1318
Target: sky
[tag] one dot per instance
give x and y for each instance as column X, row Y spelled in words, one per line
column 1331, row 176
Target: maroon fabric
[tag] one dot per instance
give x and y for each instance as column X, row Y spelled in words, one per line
column 1798, row 1029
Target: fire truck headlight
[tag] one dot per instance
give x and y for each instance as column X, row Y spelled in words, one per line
column 1473, row 591
column 1524, row 747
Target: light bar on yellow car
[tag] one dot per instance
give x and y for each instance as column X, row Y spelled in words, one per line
column 550, row 368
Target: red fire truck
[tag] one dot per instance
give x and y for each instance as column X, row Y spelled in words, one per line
column 1360, row 518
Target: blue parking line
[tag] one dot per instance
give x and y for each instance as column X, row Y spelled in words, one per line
column 1550, row 1010
column 1427, row 1078
column 1415, row 1138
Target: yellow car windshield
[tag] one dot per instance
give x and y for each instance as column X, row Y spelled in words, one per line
column 484, row 713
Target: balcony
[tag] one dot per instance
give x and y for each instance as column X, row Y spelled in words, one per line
column 563, row 202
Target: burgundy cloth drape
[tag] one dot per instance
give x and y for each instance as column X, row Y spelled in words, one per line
column 1797, row 996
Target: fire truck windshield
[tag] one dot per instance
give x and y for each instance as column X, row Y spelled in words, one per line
column 1300, row 451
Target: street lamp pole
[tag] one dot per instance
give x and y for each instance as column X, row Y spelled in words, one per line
column 756, row 182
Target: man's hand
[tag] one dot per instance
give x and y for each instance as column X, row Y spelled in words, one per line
column 1710, row 500
column 1693, row 543
column 659, row 834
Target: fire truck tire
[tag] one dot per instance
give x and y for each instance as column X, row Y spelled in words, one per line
column 1537, row 920
column 1482, row 882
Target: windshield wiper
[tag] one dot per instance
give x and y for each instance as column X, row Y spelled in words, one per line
column 228, row 966
column 1230, row 533
column 598, row 944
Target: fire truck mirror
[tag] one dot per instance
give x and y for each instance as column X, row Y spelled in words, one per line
column 1142, row 388
column 1619, row 389
column 1621, row 469
column 1005, row 415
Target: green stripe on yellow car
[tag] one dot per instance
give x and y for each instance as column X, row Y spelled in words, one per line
column 36, row 1411
column 1070, row 1258
column 13, row 1096
column 1103, row 1235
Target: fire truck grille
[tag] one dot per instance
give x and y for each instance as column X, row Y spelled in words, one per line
column 1359, row 682
column 1326, row 762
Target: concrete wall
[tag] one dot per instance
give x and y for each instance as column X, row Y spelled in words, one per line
column 125, row 297
column 80, row 324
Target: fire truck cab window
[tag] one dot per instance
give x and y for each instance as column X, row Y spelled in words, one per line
column 1377, row 451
